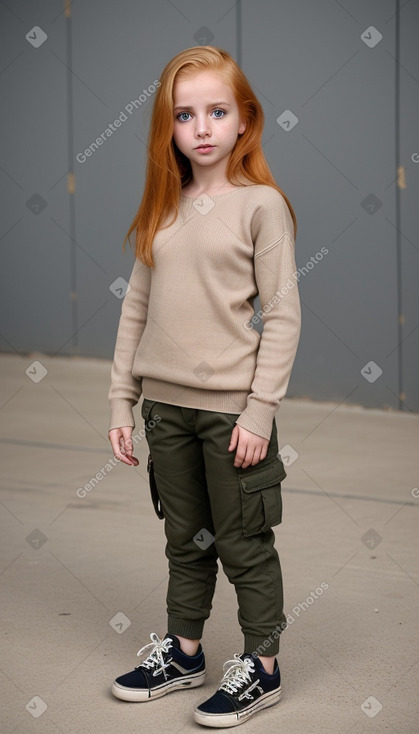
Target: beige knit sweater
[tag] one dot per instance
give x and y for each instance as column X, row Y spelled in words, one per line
column 186, row 334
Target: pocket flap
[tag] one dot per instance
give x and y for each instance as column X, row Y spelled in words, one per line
column 267, row 476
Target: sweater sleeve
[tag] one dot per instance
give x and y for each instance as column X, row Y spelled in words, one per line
column 125, row 390
column 275, row 274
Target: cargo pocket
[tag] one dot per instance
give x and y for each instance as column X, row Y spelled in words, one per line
column 260, row 489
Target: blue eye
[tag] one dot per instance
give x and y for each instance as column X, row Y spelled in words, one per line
column 179, row 116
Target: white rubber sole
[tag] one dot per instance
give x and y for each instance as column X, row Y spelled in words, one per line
column 143, row 694
column 220, row 721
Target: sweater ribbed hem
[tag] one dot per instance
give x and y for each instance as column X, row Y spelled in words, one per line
column 254, row 415
column 222, row 401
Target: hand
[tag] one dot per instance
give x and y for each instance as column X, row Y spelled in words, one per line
column 121, row 440
column 250, row 448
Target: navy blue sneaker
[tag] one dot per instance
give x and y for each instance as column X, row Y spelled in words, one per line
column 166, row 668
column 245, row 689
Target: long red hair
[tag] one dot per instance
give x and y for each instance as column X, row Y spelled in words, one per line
column 168, row 170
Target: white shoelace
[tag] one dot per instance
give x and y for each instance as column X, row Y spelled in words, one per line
column 155, row 657
column 237, row 675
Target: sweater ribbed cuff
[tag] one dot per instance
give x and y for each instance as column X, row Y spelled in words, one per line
column 258, row 418
column 121, row 413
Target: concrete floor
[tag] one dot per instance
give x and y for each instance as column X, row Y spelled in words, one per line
column 83, row 579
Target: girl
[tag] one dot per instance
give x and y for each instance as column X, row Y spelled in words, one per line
column 212, row 232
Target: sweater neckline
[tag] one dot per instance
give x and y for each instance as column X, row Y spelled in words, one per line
column 212, row 196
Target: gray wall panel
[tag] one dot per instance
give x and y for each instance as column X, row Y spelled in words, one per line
column 34, row 283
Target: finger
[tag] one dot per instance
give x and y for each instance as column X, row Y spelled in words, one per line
column 244, row 455
column 114, row 439
column 234, row 438
column 126, row 456
column 127, row 438
column 261, row 451
column 248, row 459
column 239, row 457
column 120, row 452
column 264, row 452
column 118, row 438
column 256, row 457
column 124, row 459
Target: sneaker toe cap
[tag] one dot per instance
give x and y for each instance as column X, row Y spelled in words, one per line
column 134, row 679
column 219, row 703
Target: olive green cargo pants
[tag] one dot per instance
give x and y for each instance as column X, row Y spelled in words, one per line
column 212, row 510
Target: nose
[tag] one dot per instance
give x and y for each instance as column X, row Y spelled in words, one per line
column 202, row 126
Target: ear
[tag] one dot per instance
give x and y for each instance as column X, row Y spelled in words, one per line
column 242, row 127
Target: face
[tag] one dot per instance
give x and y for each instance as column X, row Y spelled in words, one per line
column 205, row 113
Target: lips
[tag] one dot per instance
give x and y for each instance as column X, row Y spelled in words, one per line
column 204, row 146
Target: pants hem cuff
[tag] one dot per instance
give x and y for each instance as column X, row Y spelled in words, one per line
column 257, row 645
column 192, row 629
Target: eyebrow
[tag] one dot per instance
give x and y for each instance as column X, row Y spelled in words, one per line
column 213, row 104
